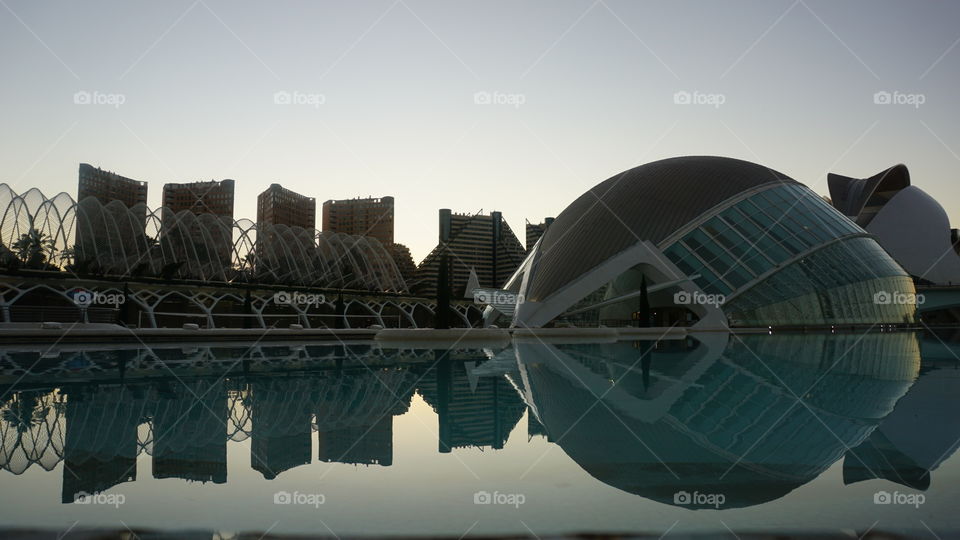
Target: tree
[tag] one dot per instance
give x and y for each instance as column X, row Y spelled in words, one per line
column 24, row 411
column 34, row 248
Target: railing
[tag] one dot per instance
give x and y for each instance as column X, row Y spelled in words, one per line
column 201, row 319
column 68, row 314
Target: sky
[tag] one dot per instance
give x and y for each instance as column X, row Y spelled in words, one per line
column 496, row 105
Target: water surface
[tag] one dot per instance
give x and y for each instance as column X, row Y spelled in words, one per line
column 797, row 433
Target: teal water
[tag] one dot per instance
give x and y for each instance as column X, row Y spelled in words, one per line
column 782, row 433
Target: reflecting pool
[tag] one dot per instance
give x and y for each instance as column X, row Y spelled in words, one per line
column 768, row 433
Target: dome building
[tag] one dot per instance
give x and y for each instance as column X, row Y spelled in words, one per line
column 715, row 242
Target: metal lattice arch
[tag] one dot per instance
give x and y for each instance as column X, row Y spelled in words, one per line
column 114, row 240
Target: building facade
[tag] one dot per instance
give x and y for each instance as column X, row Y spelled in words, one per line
column 197, row 217
column 103, row 197
column 211, row 197
column 362, row 217
column 482, row 243
column 277, row 205
column 404, row 261
column 535, row 231
column 108, row 186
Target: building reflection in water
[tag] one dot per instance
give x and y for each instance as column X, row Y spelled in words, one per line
column 922, row 431
column 717, row 415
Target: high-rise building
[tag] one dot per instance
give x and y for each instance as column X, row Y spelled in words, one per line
column 362, row 217
column 479, row 413
column 96, row 189
column 362, row 445
column 191, row 442
column 280, row 206
column 193, row 213
column 280, row 438
column 108, row 186
column 200, row 197
column 404, row 261
column 483, row 243
column 104, row 454
column 535, row 231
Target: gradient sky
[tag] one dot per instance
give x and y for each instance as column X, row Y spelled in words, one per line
column 399, row 77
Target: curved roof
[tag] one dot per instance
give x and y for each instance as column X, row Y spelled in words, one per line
column 648, row 202
column 915, row 230
column 850, row 195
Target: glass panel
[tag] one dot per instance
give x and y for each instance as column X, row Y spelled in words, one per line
column 834, row 285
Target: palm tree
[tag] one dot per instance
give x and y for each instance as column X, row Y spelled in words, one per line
column 25, row 410
column 34, row 248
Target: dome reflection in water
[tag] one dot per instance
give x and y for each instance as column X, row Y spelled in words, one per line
column 748, row 420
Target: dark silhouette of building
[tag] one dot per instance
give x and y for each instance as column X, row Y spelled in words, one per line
column 404, row 261
column 363, row 217
column 115, row 195
column 355, row 415
column 108, row 186
column 190, row 434
column 280, row 206
column 479, row 413
column 211, row 197
column 198, row 210
column 280, row 421
column 483, row 243
column 359, row 445
column 97, row 459
column 535, row 231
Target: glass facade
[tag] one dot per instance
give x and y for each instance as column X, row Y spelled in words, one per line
column 834, row 281
column 756, row 235
column 834, row 285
